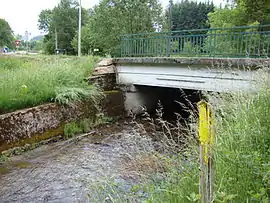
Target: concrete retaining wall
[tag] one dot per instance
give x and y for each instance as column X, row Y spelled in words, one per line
column 45, row 121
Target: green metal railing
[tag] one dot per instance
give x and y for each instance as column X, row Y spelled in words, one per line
column 245, row 41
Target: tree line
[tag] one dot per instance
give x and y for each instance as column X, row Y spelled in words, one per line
column 103, row 25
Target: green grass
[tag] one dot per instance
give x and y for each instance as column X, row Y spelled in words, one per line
column 241, row 155
column 31, row 81
column 85, row 125
column 243, row 148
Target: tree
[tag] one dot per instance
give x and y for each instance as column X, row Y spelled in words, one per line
column 45, row 20
column 112, row 18
column 187, row 15
column 258, row 10
column 63, row 22
column 228, row 17
column 240, row 13
column 6, row 34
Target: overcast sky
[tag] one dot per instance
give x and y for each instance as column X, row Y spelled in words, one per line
column 22, row 15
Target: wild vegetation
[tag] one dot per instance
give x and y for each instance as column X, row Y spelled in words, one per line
column 85, row 125
column 241, row 154
column 28, row 81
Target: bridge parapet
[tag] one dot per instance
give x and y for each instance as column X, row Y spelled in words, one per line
column 246, row 63
column 244, row 41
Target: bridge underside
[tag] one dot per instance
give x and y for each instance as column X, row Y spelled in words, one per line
column 195, row 77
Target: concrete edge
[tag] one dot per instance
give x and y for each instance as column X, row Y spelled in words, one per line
column 249, row 62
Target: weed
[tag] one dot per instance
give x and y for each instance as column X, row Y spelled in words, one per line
column 3, row 158
column 241, row 154
column 85, row 125
column 72, row 129
column 33, row 81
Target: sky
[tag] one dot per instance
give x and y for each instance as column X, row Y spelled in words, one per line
column 22, row 15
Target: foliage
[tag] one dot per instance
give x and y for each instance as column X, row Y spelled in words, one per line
column 88, row 41
column 258, row 10
column 85, row 125
column 67, row 95
column 179, row 185
column 188, row 15
column 33, row 81
column 110, row 19
column 63, row 22
column 6, row 34
column 241, row 12
column 232, row 41
column 241, row 154
column 72, row 129
column 227, row 17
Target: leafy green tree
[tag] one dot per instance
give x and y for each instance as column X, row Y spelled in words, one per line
column 239, row 13
column 63, row 22
column 112, row 18
column 88, row 41
column 6, row 34
column 45, row 20
column 228, row 17
column 187, row 14
column 258, row 10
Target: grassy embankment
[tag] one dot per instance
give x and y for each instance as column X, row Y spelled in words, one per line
column 31, row 81
column 241, row 154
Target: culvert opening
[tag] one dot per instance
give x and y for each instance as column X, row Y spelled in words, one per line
column 175, row 103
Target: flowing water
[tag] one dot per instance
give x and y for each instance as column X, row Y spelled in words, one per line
column 78, row 170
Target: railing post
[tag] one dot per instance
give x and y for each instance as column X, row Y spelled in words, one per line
column 121, row 47
column 168, row 49
column 215, row 42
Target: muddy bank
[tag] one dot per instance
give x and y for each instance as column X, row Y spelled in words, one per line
column 81, row 171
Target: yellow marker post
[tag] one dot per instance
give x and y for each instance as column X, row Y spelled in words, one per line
column 207, row 135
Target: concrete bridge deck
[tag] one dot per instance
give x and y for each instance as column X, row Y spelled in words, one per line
column 208, row 74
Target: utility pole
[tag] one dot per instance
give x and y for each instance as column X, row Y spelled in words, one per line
column 80, row 28
column 26, row 39
column 56, row 39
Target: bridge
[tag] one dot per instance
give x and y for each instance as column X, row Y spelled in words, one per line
column 219, row 60
column 214, row 59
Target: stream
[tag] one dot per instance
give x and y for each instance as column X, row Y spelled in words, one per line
column 99, row 167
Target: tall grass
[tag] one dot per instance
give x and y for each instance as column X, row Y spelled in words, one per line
column 241, row 154
column 27, row 82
